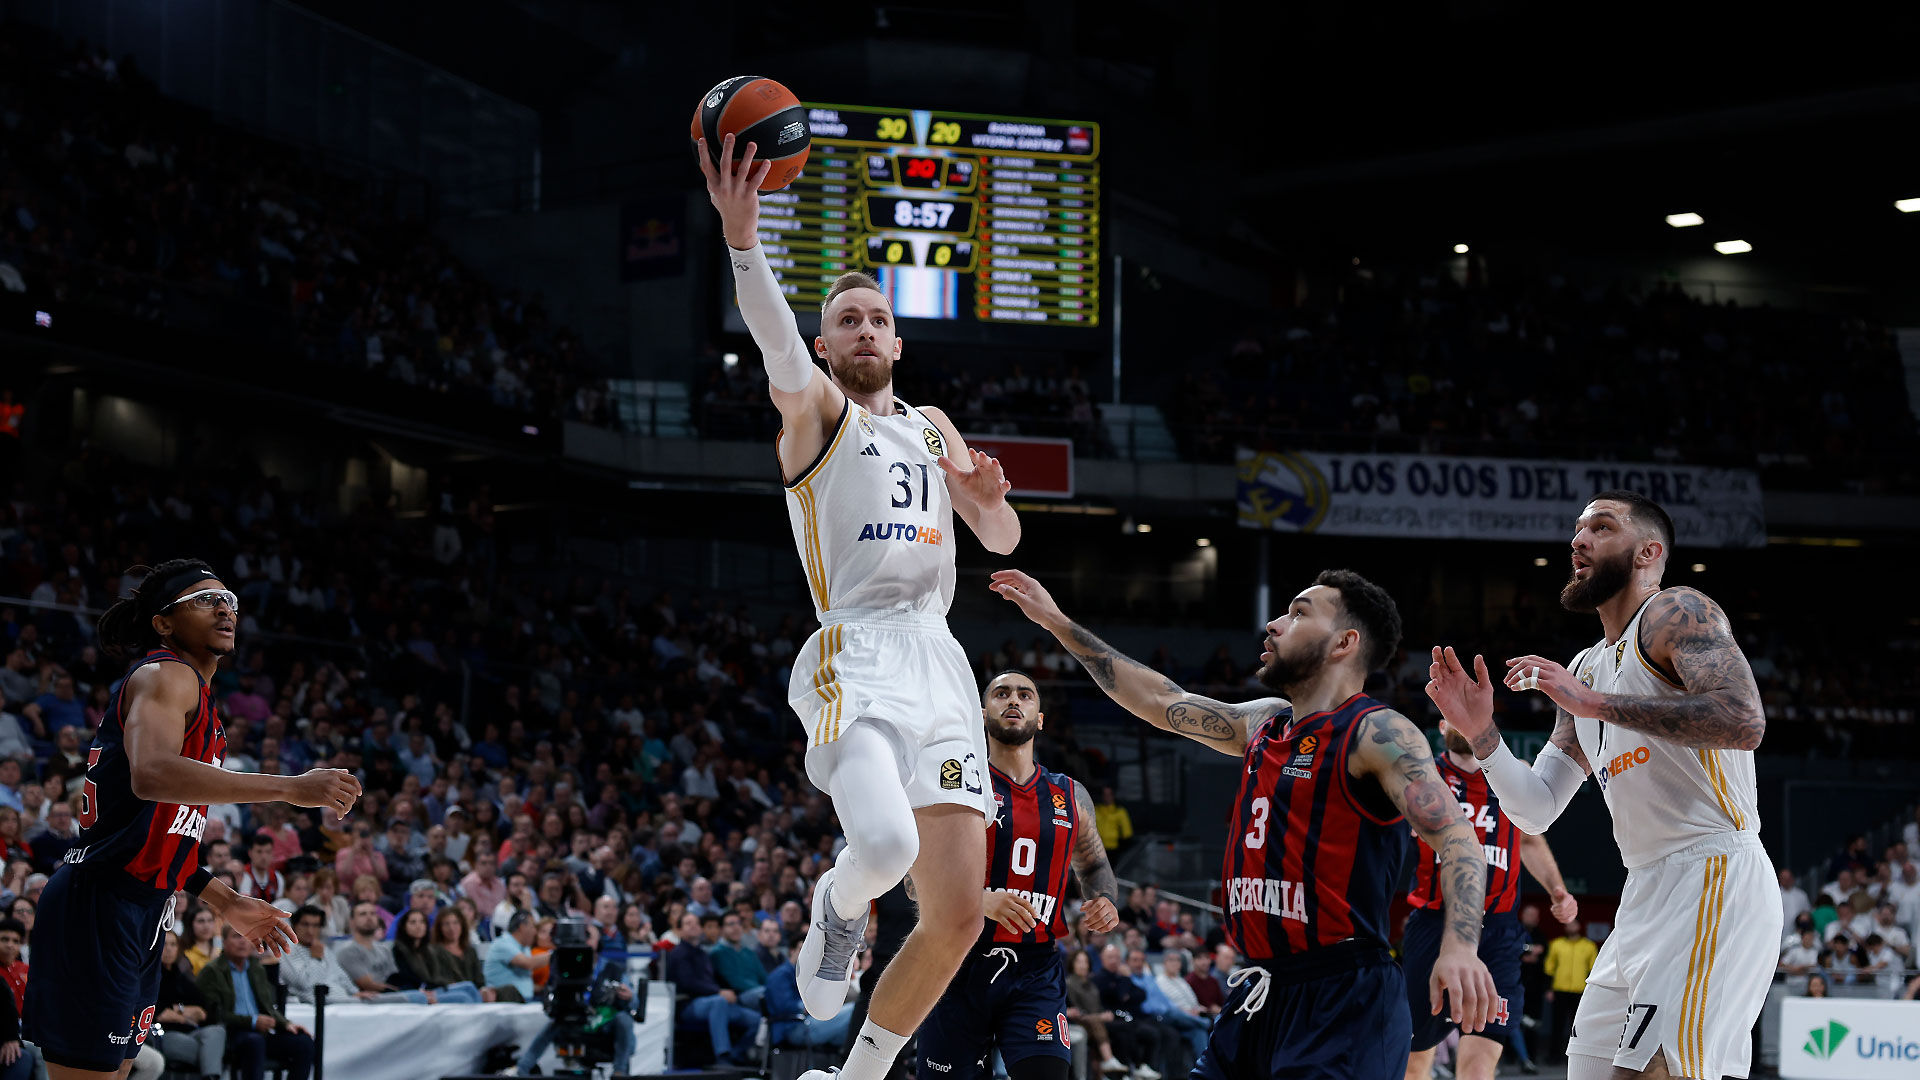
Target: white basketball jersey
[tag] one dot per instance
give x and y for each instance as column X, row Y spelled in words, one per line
column 871, row 516
column 1663, row 796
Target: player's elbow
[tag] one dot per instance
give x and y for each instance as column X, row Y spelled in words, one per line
column 1752, row 731
column 1525, row 824
column 146, row 779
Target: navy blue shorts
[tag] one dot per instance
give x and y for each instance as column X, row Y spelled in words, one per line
column 96, row 967
column 1502, row 940
column 1348, row 1024
column 1012, row 995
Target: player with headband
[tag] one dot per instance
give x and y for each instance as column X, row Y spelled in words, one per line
column 153, row 767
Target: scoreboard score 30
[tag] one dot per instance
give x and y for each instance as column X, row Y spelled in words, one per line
column 963, row 218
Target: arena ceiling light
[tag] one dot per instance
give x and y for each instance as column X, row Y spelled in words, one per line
column 1906, row 206
column 1460, row 249
column 1733, row 247
column 1203, row 542
column 731, row 359
column 1681, row 221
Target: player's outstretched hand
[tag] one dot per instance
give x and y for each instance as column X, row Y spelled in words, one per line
column 1466, row 702
column 1010, row 911
column 734, row 190
column 1564, row 907
column 1469, row 989
column 261, row 923
column 985, row 483
column 1030, row 595
column 1538, row 673
column 1100, row 915
column 331, row 789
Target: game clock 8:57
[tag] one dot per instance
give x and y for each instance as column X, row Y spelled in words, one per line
column 926, row 215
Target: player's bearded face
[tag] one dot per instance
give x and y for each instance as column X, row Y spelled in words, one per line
column 1008, row 732
column 1297, row 658
column 1607, row 575
column 858, row 336
column 1456, row 742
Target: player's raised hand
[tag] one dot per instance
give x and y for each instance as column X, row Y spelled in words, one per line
column 1100, row 915
column 734, row 190
column 1465, row 701
column 1468, row 986
column 1564, row 907
column 984, row 484
column 1538, row 673
column 260, row 923
column 1010, row 911
column 330, row 789
column 1032, row 597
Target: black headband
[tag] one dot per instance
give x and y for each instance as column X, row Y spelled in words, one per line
column 157, row 595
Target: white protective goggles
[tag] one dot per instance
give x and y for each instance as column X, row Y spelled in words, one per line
column 208, row 600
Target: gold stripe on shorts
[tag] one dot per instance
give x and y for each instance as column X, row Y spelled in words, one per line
column 826, row 726
column 1706, row 930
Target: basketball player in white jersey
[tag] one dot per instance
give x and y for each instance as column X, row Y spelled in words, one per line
column 886, row 694
column 1664, row 713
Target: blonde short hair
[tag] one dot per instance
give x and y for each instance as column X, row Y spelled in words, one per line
column 852, row 279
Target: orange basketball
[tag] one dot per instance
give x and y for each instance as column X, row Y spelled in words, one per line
column 760, row 111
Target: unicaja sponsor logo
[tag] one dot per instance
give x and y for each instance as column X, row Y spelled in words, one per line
column 1822, row 1042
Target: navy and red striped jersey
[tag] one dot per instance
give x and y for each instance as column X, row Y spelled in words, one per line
column 157, row 844
column 1499, row 835
column 1314, row 853
column 1030, row 849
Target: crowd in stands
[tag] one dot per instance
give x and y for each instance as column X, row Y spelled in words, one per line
column 1538, row 366
column 114, row 197
column 1860, row 927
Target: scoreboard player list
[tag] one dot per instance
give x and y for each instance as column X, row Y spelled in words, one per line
column 962, row 217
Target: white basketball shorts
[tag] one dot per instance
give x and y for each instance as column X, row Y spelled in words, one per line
column 904, row 673
column 1688, row 964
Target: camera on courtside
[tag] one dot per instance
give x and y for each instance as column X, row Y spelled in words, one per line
column 577, row 1001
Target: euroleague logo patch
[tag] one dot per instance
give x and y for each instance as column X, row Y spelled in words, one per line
column 1059, row 801
column 1307, row 745
column 935, row 444
column 950, row 774
column 1043, row 1029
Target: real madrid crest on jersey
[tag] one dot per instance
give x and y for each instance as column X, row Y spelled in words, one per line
column 935, row 445
column 866, row 424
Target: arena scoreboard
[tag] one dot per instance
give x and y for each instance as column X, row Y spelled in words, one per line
column 963, row 218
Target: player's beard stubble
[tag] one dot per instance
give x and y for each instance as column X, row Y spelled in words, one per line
column 1014, row 736
column 1283, row 673
column 1604, row 580
column 1458, row 743
column 863, row 376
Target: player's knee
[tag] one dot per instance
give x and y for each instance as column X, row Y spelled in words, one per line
column 886, row 849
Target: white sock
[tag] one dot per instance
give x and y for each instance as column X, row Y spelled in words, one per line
column 873, row 1053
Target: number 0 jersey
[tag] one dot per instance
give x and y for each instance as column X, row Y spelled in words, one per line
column 1501, row 838
column 157, row 844
column 1030, row 849
column 871, row 515
column 1314, row 854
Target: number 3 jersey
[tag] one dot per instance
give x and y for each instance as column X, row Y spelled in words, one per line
column 155, row 843
column 871, row 515
column 1501, row 838
column 1314, row 854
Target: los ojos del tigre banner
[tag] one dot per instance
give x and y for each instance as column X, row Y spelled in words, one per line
column 1418, row 495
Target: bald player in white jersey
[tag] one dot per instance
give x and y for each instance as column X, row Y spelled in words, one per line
column 886, row 694
column 1664, row 713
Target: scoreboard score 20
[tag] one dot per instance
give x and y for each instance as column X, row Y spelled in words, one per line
column 963, row 218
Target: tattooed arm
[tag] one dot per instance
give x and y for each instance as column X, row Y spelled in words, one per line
column 1138, row 688
column 1689, row 635
column 1392, row 751
column 1099, row 890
